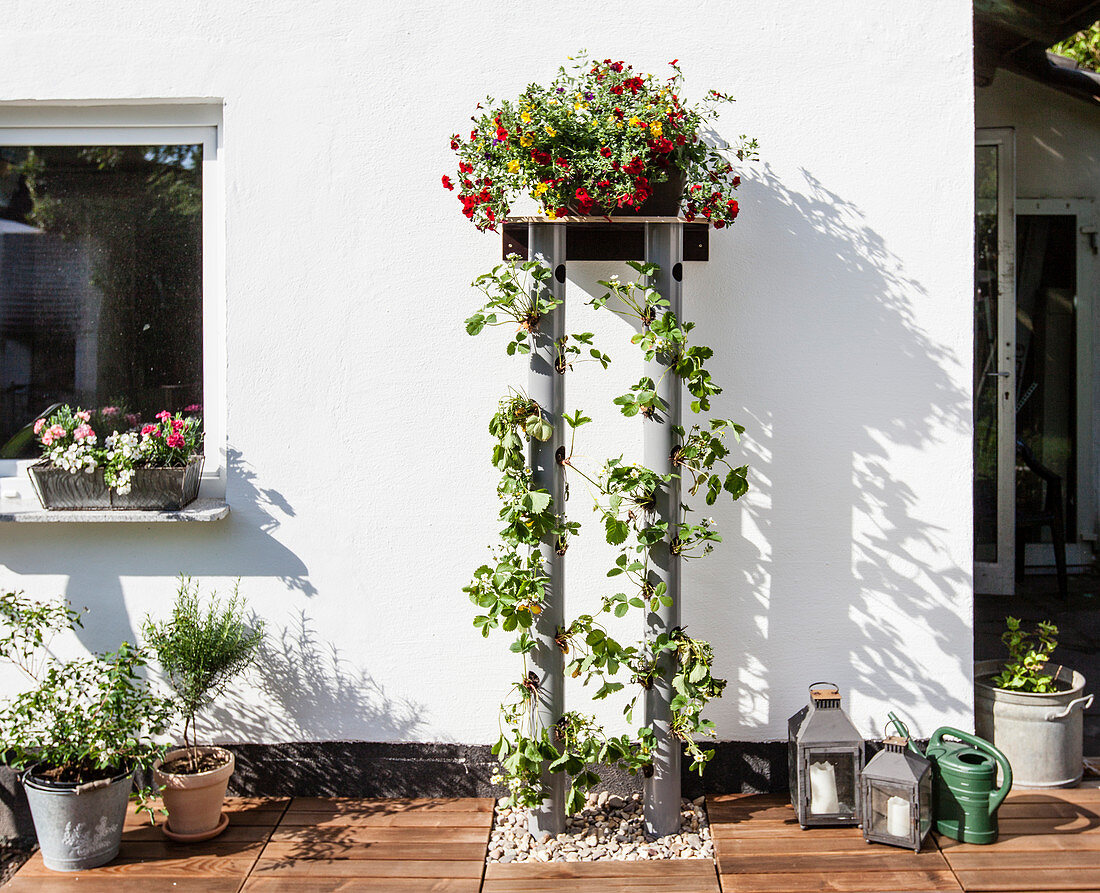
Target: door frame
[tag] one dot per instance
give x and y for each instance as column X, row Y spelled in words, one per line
column 999, row 577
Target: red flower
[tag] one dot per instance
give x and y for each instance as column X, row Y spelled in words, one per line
column 718, row 224
column 674, row 61
column 502, row 134
column 733, row 209
column 736, row 182
column 663, row 144
column 604, row 183
column 680, row 140
column 447, row 184
column 584, row 200
column 540, row 157
column 176, row 441
column 473, row 134
column 633, row 84
column 617, row 89
column 561, row 212
column 616, row 66
column 605, row 152
column 490, row 215
column 562, row 163
column 465, row 168
column 634, row 167
column 454, row 142
column 487, row 182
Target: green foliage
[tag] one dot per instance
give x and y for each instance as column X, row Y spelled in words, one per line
column 510, row 589
column 201, row 651
column 85, row 718
column 516, row 294
column 1028, row 654
column 1083, row 47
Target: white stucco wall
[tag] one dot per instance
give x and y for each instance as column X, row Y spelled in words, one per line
column 362, row 497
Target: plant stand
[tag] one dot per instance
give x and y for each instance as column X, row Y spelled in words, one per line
column 662, row 241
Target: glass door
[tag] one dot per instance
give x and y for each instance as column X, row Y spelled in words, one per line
column 994, row 362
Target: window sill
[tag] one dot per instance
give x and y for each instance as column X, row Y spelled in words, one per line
column 21, row 511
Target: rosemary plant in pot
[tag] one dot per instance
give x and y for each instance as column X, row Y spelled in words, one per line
column 200, row 650
column 1031, row 708
column 80, row 730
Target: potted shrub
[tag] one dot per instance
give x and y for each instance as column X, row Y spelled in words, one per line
column 1031, row 708
column 79, row 732
column 156, row 466
column 600, row 139
column 200, row 651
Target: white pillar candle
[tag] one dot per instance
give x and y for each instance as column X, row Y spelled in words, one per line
column 897, row 817
column 823, row 798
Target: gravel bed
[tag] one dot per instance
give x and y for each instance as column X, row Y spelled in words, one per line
column 609, row 827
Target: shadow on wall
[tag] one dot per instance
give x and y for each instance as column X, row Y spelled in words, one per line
column 96, row 557
column 840, row 560
column 310, row 693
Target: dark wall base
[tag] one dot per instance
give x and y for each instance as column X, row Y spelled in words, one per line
column 371, row 769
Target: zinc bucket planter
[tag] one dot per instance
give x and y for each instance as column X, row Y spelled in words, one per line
column 162, row 489
column 78, row 826
column 194, row 800
column 1040, row 734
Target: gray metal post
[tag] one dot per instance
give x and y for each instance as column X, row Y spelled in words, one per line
column 664, row 245
column 546, row 243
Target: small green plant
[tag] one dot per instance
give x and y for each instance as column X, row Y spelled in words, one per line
column 83, row 719
column 1028, row 654
column 201, row 650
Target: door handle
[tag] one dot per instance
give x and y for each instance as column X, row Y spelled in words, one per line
column 999, row 374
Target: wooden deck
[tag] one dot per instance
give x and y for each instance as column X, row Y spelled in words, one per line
column 1049, row 841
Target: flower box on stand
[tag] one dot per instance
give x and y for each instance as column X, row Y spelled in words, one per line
column 163, row 489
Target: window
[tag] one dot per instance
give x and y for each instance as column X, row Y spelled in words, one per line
column 110, row 270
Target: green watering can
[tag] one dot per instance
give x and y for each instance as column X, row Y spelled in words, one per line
column 965, row 794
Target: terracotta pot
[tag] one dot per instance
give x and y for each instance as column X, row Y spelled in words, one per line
column 194, row 802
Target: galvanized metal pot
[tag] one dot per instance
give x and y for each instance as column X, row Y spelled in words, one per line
column 1040, row 734
column 151, row 488
column 78, row 826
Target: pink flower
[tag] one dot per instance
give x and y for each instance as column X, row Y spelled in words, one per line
column 39, row 425
column 83, row 432
column 109, row 410
column 177, row 424
column 194, row 407
column 47, row 439
column 132, row 418
column 164, row 415
column 146, row 430
column 176, row 441
column 56, row 432
column 83, row 415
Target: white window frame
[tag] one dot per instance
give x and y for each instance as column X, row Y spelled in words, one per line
column 143, row 124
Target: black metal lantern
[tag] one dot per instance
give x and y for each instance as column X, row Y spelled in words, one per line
column 824, row 757
column 897, row 795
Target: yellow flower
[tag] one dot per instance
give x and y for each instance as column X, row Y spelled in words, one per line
column 550, row 131
column 635, row 121
column 552, row 214
column 577, row 106
column 525, row 118
column 539, row 189
column 655, row 128
column 513, row 166
column 526, row 140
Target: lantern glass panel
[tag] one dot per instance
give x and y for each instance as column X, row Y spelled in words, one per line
column 891, row 810
column 831, row 783
column 925, row 804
